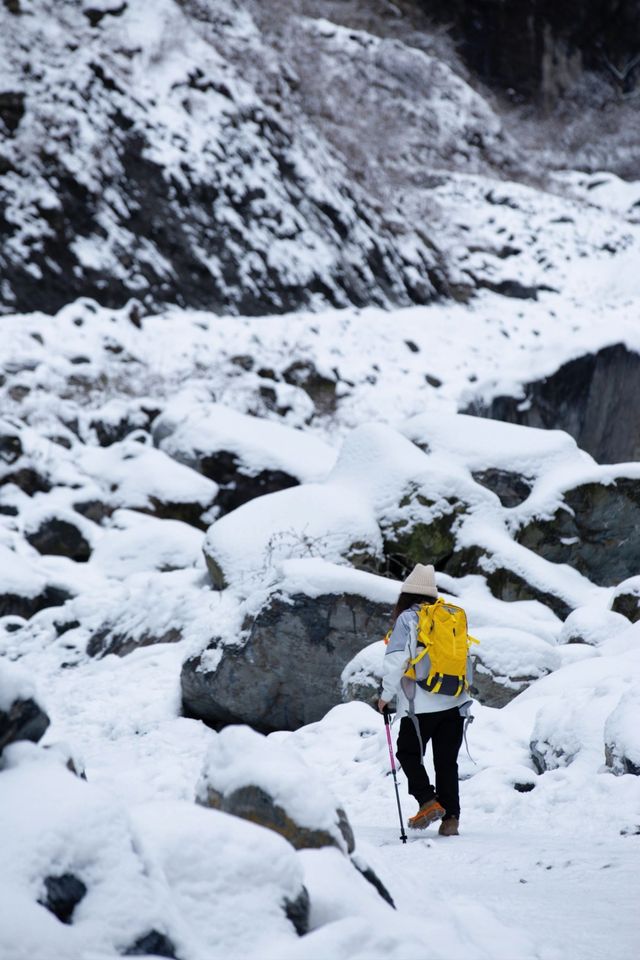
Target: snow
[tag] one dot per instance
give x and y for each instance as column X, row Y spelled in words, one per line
column 143, row 870
column 621, row 734
column 514, row 654
column 479, row 444
column 134, row 543
column 541, row 856
column 137, row 474
column 258, row 444
column 15, row 684
column 239, row 757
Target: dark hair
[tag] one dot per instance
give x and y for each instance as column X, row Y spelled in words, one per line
column 406, row 600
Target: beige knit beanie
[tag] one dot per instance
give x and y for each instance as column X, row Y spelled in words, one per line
column 421, row 580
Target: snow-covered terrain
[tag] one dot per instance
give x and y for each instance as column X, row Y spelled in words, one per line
column 205, row 515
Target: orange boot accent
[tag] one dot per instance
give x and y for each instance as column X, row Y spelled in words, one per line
column 428, row 813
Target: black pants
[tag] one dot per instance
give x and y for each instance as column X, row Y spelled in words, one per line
column 444, row 730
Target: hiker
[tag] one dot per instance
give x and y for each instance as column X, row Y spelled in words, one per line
column 433, row 706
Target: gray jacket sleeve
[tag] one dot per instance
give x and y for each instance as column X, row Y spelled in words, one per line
column 397, row 656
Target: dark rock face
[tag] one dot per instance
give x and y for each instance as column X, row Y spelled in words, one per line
column 508, row 585
column 297, row 911
column 94, row 510
column 594, row 398
column 256, row 805
column 113, row 431
column 24, row 720
column 492, row 691
column 10, row 443
column 598, row 534
column 111, row 640
column 237, row 486
column 538, row 46
column 63, row 894
column 626, row 599
column 61, row 539
column 321, row 390
column 509, row 487
column 184, row 511
column 288, row 672
column 153, row 943
column 372, row 877
column 12, row 604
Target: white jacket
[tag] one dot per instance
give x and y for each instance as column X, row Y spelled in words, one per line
column 402, row 648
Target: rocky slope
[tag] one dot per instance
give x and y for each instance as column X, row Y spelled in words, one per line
column 246, row 158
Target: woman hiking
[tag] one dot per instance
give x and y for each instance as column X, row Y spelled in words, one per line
column 434, row 700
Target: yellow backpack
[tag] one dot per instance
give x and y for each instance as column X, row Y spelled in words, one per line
column 440, row 663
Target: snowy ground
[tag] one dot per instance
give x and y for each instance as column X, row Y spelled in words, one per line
column 547, row 873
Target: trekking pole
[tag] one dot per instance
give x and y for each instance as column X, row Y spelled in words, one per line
column 387, row 725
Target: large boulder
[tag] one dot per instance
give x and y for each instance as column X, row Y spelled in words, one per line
column 422, row 526
column 594, row 530
column 268, row 782
column 287, row 673
column 588, row 397
column 256, row 778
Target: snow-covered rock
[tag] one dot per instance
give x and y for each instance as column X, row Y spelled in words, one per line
column 257, row 778
column 592, row 528
column 22, row 716
column 147, row 872
column 285, row 668
column 626, row 599
column 24, row 587
column 136, row 543
column 506, row 661
column 246, row 456
column 592, row 625
column 361, row 679
column 621, row 736
column 140, row 477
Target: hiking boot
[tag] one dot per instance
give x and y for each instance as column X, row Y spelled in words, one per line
column 449, row 827
column 428, row 813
